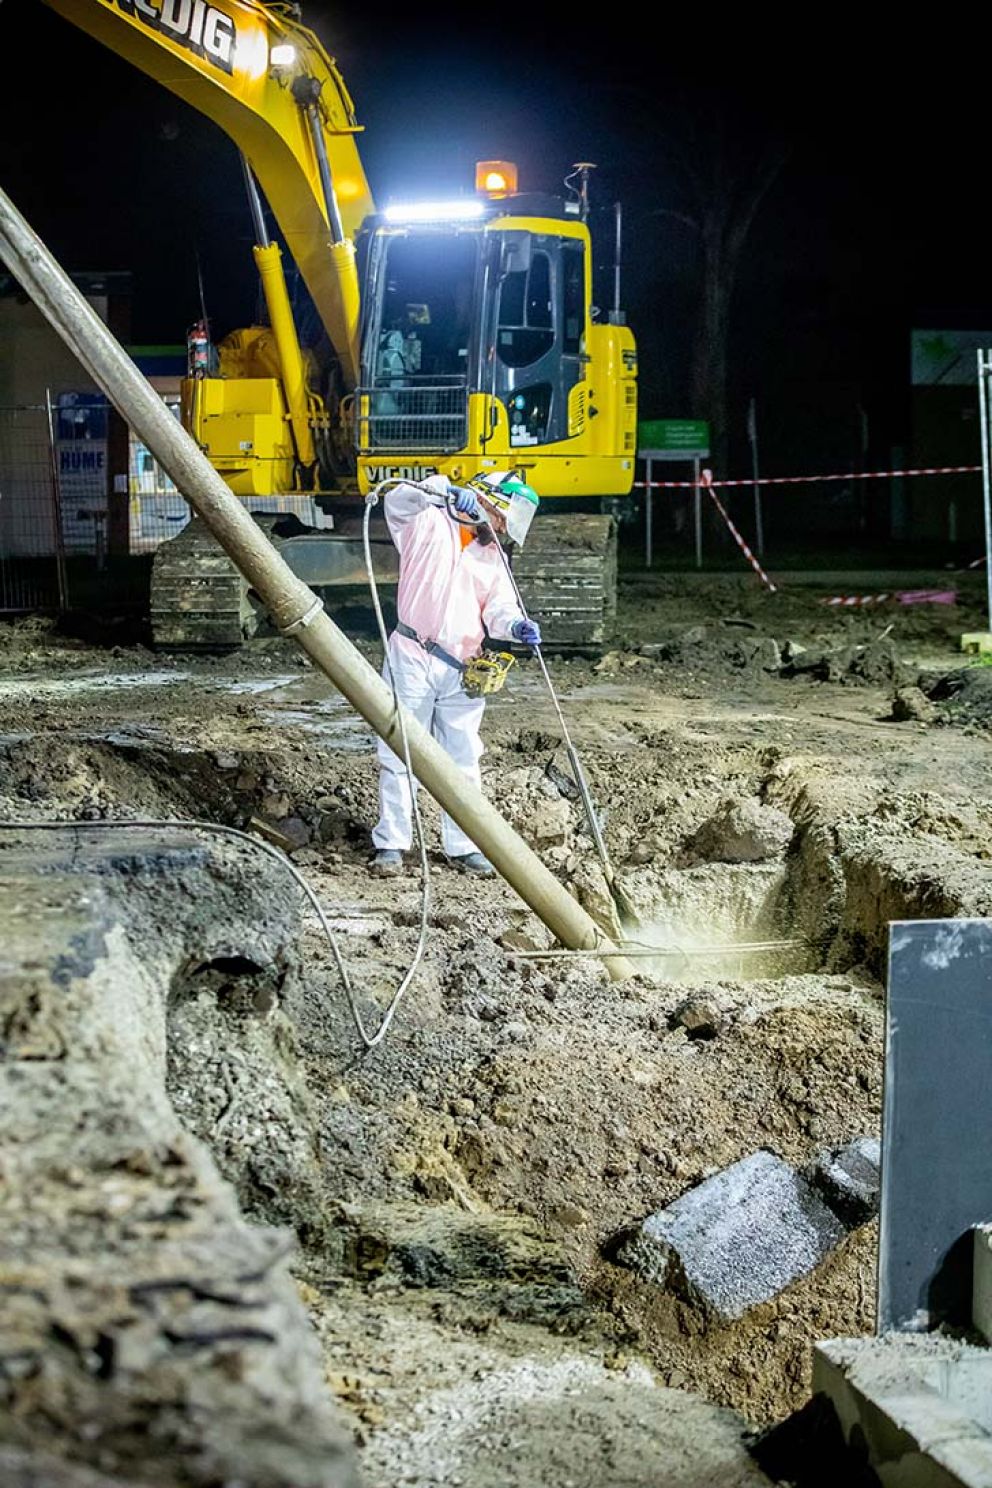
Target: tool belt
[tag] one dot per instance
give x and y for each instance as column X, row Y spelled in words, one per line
column 431, row 647
column 480, row 675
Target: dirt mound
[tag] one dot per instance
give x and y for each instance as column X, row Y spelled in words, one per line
column 963, row 696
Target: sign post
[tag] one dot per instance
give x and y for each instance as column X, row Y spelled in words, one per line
column 752, row 435
column 673, row 440
column 984, row 373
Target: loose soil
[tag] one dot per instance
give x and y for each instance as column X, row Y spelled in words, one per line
column 464, row 1183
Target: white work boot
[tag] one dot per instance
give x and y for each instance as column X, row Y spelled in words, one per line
column 387, row 863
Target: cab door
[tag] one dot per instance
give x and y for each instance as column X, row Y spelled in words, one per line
column 539, row 337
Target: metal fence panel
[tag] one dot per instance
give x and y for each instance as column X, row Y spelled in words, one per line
column 32, row 572
column 156, row 510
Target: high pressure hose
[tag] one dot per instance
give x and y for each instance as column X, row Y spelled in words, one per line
column 157, row 823
column 580, row 777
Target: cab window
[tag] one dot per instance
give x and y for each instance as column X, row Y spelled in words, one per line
column 572, row 298
column 526, row 321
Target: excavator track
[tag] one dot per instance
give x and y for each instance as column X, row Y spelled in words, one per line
column 567, row 574
column 199, row 600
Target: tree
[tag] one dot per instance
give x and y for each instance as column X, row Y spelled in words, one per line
column 723, row 168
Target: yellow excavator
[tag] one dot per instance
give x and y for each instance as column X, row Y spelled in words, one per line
column 461, row 336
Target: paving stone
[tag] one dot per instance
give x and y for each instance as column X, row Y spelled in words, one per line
column 737, row 1239
column 849, row 1178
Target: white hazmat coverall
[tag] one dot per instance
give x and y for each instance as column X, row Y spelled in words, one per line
column 447, row 593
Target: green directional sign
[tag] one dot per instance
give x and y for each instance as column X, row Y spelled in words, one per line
column 689, row 435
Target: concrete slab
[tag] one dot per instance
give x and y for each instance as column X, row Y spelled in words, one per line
column 736, row 1240
column 917, row 1408
column 849, row 1179
column 977, row 642
column 936, row 1177
column 981, row 1289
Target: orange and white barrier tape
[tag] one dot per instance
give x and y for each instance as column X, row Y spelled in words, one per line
column 706, row 481
column 805, row 480
column 895, row 596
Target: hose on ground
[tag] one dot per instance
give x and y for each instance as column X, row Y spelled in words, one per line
column 219, row 829
column 155, row 824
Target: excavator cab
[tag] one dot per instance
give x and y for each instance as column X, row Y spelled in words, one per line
column 512, row 364
column 515, row 367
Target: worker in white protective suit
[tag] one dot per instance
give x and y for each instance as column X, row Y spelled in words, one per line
column 453, row 589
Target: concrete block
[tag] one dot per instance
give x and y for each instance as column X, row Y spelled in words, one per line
column 981, row 1293
column 849, row 1178
column 977, row 642
column 916, row 1407
column 737, row 1239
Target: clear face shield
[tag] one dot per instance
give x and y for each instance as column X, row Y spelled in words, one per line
column 516, row 508
column 518, row 519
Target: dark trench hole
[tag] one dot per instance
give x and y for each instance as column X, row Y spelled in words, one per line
column 238, row 984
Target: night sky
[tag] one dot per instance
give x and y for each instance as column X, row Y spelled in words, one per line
column 874, row 224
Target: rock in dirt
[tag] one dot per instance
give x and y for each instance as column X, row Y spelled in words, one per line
column 562, row 782
column 642, row 852
column 516, row 939
column 877, row 663
column 806, row 661
column 536, row 741
column 742, row 832
column 549, row 823
column 912, row 704
column 760, row 653
column 441, row 1245
column 736, row 1240
column 699, row 1018
column 849, row 1179
column 873, row 664
column 290, row 834
column 590, row 887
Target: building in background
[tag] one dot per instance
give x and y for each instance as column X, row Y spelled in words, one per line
column 944, row 431
column 74, row 483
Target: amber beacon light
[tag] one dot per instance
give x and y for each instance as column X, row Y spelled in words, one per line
column 496, row 177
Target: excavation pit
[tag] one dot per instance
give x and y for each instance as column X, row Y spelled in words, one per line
column 716, row 921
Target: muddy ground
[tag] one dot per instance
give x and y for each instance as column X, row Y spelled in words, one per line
column 458, row 1192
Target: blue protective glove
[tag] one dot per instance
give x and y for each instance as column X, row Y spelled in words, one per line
column 465, row 501
column 527, row 632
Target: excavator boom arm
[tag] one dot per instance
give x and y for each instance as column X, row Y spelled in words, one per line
column 293, row 121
